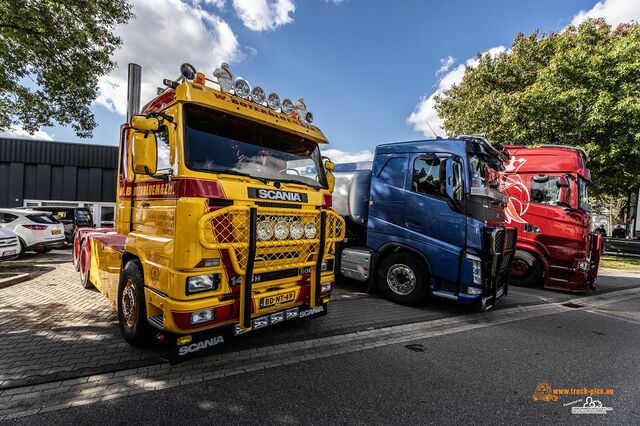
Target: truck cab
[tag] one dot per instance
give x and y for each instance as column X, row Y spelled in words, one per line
column 548, row 203
column 427, row 218
column 223, row 216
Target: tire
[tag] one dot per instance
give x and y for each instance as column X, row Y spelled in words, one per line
column 526, row 270
column 84, row 265
column 403, row 279
column 132, row 310
column 22, row 249
column 76, row 253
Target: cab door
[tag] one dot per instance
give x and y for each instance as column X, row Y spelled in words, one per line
column 432, row 211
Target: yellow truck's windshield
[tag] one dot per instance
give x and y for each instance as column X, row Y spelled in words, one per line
column 218, row 142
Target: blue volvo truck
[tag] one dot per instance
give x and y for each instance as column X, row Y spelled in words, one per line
column 426, row 218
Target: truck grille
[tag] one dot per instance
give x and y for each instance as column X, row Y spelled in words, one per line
column 228, row 229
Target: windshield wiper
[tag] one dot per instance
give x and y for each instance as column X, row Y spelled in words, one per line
column 298, row 182
column 234, row 172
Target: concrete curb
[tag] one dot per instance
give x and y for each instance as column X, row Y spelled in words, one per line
column 6, row 282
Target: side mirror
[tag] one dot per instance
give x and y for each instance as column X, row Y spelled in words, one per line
column 144, row 153
column 586, row 206
column 144, row 123
column 331, row 179
column 565, row 192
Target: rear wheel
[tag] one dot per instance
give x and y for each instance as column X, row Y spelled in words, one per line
column 526, row 270
column 84, row 264
column 403, row 279
column 76, row 252
column 132, row 312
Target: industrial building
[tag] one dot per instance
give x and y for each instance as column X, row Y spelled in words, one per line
column 46, row 173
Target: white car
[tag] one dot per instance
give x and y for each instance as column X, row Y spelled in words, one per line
column 9, row 245
column 37, row 231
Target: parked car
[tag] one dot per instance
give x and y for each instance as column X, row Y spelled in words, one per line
column 71, row 218
column 37, row 231
column 9, row 245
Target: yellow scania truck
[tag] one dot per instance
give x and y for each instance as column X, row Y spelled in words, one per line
column 223, row 215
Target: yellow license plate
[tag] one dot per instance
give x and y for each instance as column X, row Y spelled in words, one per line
column 56, row 232
column 265, row 302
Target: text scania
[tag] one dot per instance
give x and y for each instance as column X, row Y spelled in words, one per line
column 195, row 347
column 271, row 194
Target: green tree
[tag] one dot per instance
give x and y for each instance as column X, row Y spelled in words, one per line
column 52, row 53
column 579, row 87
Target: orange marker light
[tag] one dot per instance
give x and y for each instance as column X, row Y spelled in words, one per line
column 199, row 78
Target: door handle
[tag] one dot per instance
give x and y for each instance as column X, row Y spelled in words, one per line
column 412, row 225
column 145, row 204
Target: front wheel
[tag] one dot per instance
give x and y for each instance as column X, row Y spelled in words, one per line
column 403, row 279
column 526, row 270
column 132, row 311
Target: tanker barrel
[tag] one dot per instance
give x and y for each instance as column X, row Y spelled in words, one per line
column 351, row 194
column 134, row 83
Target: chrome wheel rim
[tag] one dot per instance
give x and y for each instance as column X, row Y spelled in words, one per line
column 401, row 279
column 129, row 304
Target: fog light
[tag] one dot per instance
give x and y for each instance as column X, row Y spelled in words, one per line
column 281, row 230
column 260, row 322
column 201, row 316
column 583, row 265
column 291, row 313
column 237, row 330
column 277, row 317
column 326, row 287
column 474, row 290
column 201, row 283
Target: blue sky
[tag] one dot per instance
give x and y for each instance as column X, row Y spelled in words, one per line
column 363, row 67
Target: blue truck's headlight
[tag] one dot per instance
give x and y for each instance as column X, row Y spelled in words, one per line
column 201, row 283
column 476, row 262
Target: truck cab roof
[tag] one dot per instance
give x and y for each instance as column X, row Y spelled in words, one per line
column 454, row 146
column 550, row 159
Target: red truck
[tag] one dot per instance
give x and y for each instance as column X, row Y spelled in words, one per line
column 547, row 188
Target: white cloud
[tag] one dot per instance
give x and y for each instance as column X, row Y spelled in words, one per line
column 164, row 34
column 338, row 156
column 445, row 64
column 19, row 133
column 425, row 114
column 614, row 11
column 334, row 1
column 261, row 15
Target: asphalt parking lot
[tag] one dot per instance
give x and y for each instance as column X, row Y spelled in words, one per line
column 62, row 347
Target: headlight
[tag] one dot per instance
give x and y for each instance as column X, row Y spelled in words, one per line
column 273, row 101
column 326, row 287
column 264, row 230
column 241, row 88
column 310, row 230
column 201, row 316
column 308, row 117
column 297, row 230
column 477, row 268
column 257, row 95
column 201, row 283
column 287, row 106
column 584, row 265
column 281, row 230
